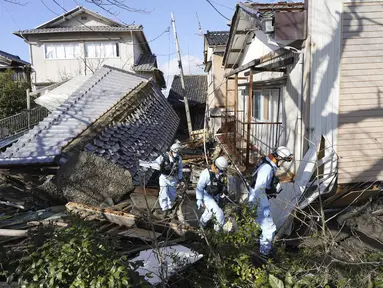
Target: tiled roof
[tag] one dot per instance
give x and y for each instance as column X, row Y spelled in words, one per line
column 195, row 88
column 266, row 7
column 217, row 37
column 12, row 57
column 146, row 62
column 146, row 133
column 80, row 29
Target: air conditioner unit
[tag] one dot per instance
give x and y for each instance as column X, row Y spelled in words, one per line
column 267, row 25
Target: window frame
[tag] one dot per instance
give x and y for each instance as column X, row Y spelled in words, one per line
column 62, row 43
column 116, row 47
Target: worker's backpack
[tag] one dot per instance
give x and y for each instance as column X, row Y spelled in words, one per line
column 272, row 192
column 216, row 186
column 167, row 167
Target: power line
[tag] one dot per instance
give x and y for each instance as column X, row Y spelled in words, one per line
column 46, row 6
column 222, row 5
column 211, row 4
column 140, row 43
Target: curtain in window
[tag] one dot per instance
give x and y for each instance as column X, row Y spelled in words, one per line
column 101, row 50
column 62, row 51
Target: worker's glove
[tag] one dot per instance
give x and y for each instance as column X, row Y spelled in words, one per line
column 199, row 203
column 180, row 184
column 278, row 188
column 266, row 212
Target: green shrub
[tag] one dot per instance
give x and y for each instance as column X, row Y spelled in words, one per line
column 77, row 256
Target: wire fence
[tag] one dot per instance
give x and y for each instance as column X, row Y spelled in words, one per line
column 17, row 123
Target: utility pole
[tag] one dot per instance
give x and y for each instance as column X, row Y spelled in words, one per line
column 188, row 119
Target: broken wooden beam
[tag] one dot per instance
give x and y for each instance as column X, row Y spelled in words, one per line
column 117, row 217
column 13, row 233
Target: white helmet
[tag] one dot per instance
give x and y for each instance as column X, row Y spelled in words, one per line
column 284, row 153
column 221, row 163
column 176, row 147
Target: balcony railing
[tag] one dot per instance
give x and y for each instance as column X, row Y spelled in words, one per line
column 20, row 122
column 249, row 148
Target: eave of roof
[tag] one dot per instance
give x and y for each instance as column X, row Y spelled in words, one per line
column 72, row 13
column 87, row 29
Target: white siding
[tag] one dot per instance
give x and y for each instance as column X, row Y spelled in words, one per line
column 360, row 139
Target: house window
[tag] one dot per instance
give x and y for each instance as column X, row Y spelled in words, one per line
column 62, row 51
column 102, row 50
column 257, row 105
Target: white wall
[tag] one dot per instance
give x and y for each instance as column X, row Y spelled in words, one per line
column 54, row 70
column 77, row 21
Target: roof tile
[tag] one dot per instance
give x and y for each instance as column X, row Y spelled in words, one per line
column 195, row 88
column 217, row 37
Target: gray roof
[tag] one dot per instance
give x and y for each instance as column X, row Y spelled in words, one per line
column 12, row 58
column 80, row 29
column 149, row 127
column 146, row 133
column 146, row 62
column 217, row 37
column 279, row 6
column 195, row 88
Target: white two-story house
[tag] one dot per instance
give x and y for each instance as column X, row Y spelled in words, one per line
column 81, row 41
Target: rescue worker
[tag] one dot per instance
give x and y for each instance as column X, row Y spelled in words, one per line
column 263, row 187
column 211, row 185
column 171, row 175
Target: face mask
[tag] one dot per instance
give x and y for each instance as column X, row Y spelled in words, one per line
column 175, row 154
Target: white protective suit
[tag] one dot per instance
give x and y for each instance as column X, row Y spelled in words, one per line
column 258, row 196
column 168, row 184
column 210, row 202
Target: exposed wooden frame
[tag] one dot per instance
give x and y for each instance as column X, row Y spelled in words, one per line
column 249, row 107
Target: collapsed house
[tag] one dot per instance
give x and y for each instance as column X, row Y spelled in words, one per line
column 91, row 142
column 196, row 93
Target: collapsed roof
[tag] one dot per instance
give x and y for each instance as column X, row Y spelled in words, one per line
column 114, row 114
column 195, row 89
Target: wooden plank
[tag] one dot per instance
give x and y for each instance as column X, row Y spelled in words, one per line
column 362, row 47
column 364, row 60
column 116, row 217
column 364, row 53
column 360, row 134
column 366, row 140
column 361, row 84
column 357, row 107
column 362, row 75
column 366, row 15
column 372, row 113
column 359, row 91
column 358, row 127
column 354, row 97
column 374, row 102
column 13, row 233
column 349, row 153
column 142, row 234
column 361, row 41
column 362, row 8
column 249, row 113
column 362, row 66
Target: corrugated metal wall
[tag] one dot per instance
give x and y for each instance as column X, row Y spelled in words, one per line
column 360, row 140
column 325, row 37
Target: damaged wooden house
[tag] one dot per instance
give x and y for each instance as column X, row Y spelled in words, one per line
column 305, row 76
column 196, row 93
column 87, row 149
